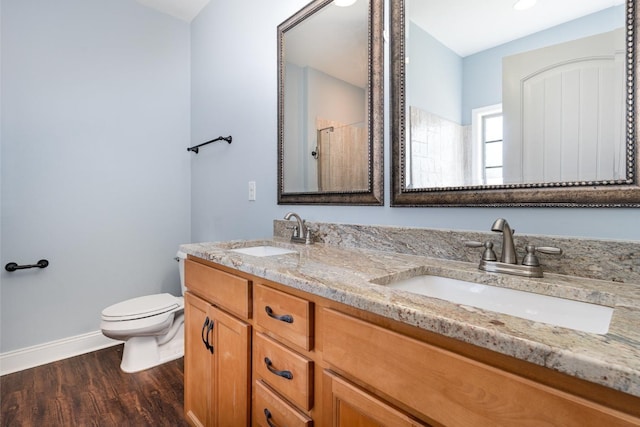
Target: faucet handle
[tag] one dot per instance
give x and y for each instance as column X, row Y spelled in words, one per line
column 531, row 259
column 549, row 250
column 488, row 254
column 473, row 244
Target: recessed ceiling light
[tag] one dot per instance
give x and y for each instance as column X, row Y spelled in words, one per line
column 344, row 3
column 524, row 4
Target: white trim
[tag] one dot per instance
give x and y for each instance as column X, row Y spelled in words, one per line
column 477, row 148
column 41, row 354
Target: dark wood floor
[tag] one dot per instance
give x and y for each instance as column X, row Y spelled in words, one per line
column 91, row 390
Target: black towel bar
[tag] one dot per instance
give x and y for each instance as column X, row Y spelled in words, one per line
column 195, row 148
column 13, row 266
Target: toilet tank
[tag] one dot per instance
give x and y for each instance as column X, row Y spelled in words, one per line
column 181, row 256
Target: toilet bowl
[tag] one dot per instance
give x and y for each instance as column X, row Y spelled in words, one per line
column 152, row 327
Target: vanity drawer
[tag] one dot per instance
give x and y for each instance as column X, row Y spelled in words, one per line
column 298, row 388
column 268, row 405
column 449, row 388
column 222, row 289
column 287, row 316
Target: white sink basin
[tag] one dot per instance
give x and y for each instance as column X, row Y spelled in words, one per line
column 261, row 251
column 571, row 314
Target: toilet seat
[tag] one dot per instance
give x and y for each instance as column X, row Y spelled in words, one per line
column 152, row 327
column 141, row 307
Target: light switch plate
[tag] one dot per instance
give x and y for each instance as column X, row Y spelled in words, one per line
column 252, row 190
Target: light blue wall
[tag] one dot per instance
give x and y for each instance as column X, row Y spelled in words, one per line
column 434, row 75
column 234, row 91
column 95, row 174
column 482, row 75
column 313, row 94
column 295, row 128
column 332, row 99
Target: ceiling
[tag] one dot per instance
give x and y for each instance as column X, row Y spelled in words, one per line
column 333, row 40
column 185, row 10
column 471, row 26
column 464, row 26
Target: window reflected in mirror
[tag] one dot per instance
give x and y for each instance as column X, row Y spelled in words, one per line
column 540, row 99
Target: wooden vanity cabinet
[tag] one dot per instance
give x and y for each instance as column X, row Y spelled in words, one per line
column 353, row 368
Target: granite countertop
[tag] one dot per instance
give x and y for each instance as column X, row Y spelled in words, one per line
column 345, row 276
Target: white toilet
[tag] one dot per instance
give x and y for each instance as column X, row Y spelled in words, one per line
column 152, row 327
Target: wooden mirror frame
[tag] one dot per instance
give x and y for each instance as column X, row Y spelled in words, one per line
column 374, row 195
column 560, row 194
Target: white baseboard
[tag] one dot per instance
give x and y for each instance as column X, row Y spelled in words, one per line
column 41, row 354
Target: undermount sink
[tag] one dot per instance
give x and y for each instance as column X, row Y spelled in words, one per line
column 567, row 313
column 262, row 251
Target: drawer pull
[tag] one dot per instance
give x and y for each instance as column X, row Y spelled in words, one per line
column 284, row 318
column 284, row 374
column 268, row 416
column 208, row 325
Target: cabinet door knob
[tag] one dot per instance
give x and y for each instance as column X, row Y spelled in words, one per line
column 284, row 317
column 268, row 416
column 284, row 374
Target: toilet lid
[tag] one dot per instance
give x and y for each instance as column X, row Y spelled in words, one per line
column 136, row 308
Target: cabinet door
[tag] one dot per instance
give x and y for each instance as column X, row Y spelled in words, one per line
column 216, row 366
column 448, row 388
column 197, row 361
column 231, row 372
column 351, row 406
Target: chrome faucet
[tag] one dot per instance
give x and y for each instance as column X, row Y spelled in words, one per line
column 301, row 234
column 508, row 263
column 509, row 255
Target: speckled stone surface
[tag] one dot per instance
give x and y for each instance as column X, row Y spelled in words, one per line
column 356, row 275
column 617, row 261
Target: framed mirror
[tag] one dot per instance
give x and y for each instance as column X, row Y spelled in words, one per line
column 498, row 106
column 330, row 104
